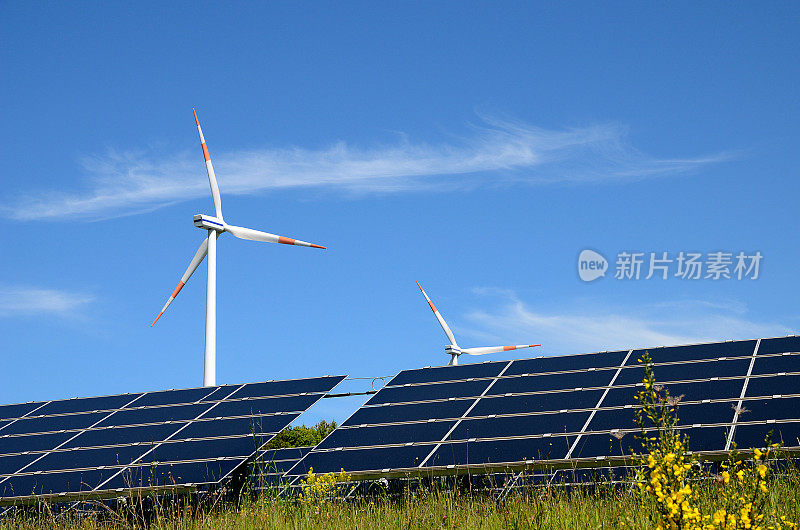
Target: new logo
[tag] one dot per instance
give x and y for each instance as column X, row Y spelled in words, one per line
column 591, row 265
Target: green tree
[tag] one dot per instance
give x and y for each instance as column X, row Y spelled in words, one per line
column 302, row 435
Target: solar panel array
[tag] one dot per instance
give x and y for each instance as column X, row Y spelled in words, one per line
column 178, row 438
column 576, row 409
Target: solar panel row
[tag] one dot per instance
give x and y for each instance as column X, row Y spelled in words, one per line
column 577, row 407
column 171, row 438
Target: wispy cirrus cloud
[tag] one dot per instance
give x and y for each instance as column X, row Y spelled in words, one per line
column 33, row 301
column 598, row 327
column 495, row 152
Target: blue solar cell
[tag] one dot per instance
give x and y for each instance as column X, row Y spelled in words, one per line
column 18, row 410
column 13, row 463
column 567, row 362
column 771, row 385
column 749, row 436
column 699, row 390
column 279, row 388
column 605, row 420
column 237, row 426
column 687, row 371
column 779, row 345
column 507, row 426
column 172, row 474
column 770, row 409
column 705, row 413
column 387, row 434
column 49, row 483
column 171, row 397
column 123, row 435
column 364, row 459
column 688, row 414
column 284, row 453
column 500, row 451
column 67, row 406
column 448, row 373
column 255, row 407
column 54, row 423
column 35, row 442
column 87, row 458
column 594, row 445
column 776, row 364
column 540, row 383
column 694, row 391
column 707, row 438
column 410, row 412
column 552, row 401
column 154, row 415
column 276, row 462
column 242, row 446
column 400, row 394
column 620, row 396
column 275, row 466
column 695, row 352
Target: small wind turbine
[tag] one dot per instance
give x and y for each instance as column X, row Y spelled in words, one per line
column 217, row 226
column 454, row 350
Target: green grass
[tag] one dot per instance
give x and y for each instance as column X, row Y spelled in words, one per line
column 600, row 507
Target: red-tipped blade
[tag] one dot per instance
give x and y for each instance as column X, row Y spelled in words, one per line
column 199, row 256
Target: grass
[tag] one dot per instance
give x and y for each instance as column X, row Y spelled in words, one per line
column 553, row 507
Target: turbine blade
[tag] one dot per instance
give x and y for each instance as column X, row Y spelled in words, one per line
column 442, row 323
column 196, row 261
column 256, row 235
column 495, row 349
column 212, row 179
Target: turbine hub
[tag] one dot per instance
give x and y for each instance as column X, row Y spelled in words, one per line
column 206, row 222
column 452, row 350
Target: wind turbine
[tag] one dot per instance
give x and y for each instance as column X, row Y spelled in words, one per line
column 217, row 226
column 454, row 350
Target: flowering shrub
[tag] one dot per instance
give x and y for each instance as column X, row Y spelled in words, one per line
column 744, row 493
column 665, row 472
column 666, row 476
column 320, row 489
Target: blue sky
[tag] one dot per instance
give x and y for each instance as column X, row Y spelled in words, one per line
column 474, row 147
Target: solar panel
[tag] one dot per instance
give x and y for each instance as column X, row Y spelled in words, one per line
column 573, row 410
column 177, row 438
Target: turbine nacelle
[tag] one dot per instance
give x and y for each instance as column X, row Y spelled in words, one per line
column 452, row 350
column 207, row 222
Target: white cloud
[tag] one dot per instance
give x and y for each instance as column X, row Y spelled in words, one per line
column 596, row 327
column 495, row 152
column 28, row 301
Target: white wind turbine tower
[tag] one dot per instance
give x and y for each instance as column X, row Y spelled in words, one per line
column 217, row 226
column 454, row 350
